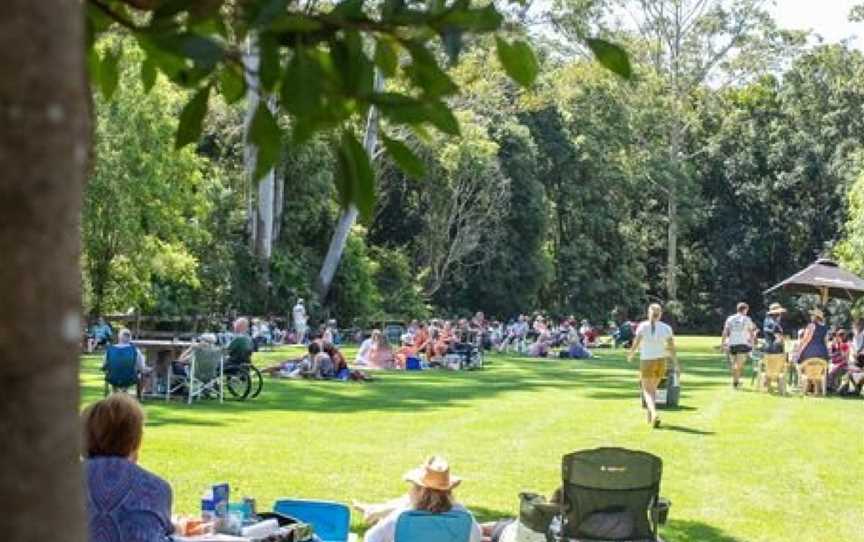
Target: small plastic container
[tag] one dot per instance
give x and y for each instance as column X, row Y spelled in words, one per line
column 208, row 507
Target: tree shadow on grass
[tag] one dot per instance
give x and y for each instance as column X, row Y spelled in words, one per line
column 694, row 531
column 161, row 419
column 683, row 429
column 679, row 407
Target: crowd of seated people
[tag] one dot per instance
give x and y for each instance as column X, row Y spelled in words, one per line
column 266, row 332
column 539, row 336
column 323, row 361
column 427, row 342
column 843, row 353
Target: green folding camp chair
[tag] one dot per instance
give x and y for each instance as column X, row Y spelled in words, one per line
column 611, row 494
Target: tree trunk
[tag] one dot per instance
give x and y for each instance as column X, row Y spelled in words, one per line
column 672, row 213
column 349, row 216
column 263, row 208
column 278, row 204
column 672, row 248
column 335, row 250
column 251, row 62
column 264, row 218
column 44, row 145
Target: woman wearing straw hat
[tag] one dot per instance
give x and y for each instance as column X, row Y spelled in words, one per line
column 814, row 344
column 772, row 329
column 655, row 343
column 431, row 491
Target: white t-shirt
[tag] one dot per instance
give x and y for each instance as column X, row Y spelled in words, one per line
column 363, row 353
column 385, row 530
column 299, row 315
column 653, row 345
column 740, row 329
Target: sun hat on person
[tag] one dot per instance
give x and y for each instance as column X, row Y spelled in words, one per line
column 817, row 313
column 433, row 474
column 776, row 308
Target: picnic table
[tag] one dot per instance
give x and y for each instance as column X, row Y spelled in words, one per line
column 158, row 356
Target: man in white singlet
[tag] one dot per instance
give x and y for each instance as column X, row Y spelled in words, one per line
column 739, row 335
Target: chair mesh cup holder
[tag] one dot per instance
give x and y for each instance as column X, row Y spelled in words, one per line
column 660, row 511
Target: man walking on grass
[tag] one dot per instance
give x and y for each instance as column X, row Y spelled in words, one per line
column 739, row 335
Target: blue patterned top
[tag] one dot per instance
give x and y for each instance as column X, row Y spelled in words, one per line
column 125, row 503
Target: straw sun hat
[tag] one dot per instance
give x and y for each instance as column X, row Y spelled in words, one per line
column 433, row 474
column 817, row 313
column 776, row 308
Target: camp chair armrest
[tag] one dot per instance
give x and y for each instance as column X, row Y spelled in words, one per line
column 550, row 507
column 660, row 510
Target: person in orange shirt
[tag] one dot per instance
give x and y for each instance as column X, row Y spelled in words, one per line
column 442, row 344
column 422, row 343
column 407, row 350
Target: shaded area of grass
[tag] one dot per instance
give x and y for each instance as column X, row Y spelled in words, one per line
column 735, row 463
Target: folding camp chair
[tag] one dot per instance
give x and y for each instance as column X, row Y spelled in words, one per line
column 774, row 371
column 204, row 374
column 813, row 370
column 611, row 494
column 329, row 520
column 121, row 371
column 428, row 527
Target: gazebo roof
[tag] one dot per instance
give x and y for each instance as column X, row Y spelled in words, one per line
column 824, row 277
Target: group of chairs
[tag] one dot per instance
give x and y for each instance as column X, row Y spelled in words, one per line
column 205, row 375
column 615, row 486
column 772, row 370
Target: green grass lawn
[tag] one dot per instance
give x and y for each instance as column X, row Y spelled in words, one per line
column 738, row 466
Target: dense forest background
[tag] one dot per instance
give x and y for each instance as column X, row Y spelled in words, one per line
column 734, row 157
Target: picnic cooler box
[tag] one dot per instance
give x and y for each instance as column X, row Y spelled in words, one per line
column 669, row 389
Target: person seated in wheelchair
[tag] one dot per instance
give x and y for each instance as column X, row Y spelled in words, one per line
column 241, row 347
column 123, row 354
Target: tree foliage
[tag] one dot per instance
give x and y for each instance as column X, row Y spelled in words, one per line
column 317, row 62
column 555, row 196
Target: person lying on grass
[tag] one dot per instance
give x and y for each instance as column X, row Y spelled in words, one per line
column 431, row 491
column 316, row 364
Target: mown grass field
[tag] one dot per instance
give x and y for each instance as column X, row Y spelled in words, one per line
column 738, row 466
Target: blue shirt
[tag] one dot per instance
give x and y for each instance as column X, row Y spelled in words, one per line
column 771, row 327
column 125, row 503
column 102, row 332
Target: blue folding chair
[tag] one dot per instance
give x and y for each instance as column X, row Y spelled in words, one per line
column 429, row 527
column 120, row 368
column 329, row 520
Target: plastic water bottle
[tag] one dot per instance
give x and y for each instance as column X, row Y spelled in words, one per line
column 208, row 506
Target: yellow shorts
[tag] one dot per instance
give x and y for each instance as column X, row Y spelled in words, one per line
column 653, row 368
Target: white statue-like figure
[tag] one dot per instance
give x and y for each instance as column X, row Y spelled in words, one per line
column 300, row 318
